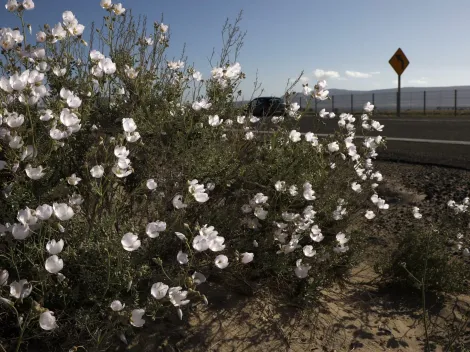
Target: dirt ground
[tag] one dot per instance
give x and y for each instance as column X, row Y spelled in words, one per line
column 362, row 316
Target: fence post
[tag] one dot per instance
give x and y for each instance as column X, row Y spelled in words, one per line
column 455, row 102
column 352, row 102
column 333, row 103
column 424, row 105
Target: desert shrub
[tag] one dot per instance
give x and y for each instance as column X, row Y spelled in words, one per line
column 431, row 255
column 128, row 181
column 426, row 256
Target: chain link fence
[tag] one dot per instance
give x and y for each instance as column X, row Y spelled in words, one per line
column 433, row 102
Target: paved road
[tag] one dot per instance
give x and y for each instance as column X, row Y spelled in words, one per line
column 440, row 141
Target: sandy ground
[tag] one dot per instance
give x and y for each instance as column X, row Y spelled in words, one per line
column 362, row 316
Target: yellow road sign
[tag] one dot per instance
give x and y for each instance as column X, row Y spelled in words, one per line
column 399, row 62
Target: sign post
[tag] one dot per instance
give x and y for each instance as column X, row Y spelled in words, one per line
column 399, row 62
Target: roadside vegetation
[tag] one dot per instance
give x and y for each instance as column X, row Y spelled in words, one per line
column 129, row 181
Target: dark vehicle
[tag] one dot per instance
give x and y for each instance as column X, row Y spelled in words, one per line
column 266, row 106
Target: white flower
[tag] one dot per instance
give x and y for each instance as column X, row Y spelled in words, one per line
column 73, row 180
column 175, row 65
column 311, row 138
column 58, row 32
column 34, row 173
column 4, row 277
column 132, row 137
column 178, row 202
column 159, row 290
column 20, row 231
column 21, row 289
column 247, row 257
column 47, row 321
column 260, row 213
column 293, row 190
column 316, row 234
column 129, row 125
column 59, row 72
column 74, row 102
column 28, row 4
column 323, row 113
column 295, row 136
column 151, row 184
column 356, row 187
column 153, row 229
column 221, row 261
column 368, row 107
column 11, row 5
column 41, row 37
column 26, row 217
column 241, row 120
column 117, row 306
column 130, row 242
column 208, row 239
column 369, row 215
column 131, row 72
column 341, row 238
column 260, row 198
column 182, row 258
column 62, row 211
column 54, row 247
column 309, row 251
column 254, row 119
column 107, row 66
column 280, row 186
column 309, row 193
column 14, row 120
column 215, row 121
column 163, row 27
column 249, row 136
column 121, row 153
column 44, row 212
column 416, row 213
column 198, row 191
column 377, row 126
column 197, row 76
column 198, row 278
column 177, row 296
column 333, row 147
column 54, row 264
column 203, row 104
column 301, row 270
column 136, row 318
column 106, row 4
column 16, row 142
column 95, row 55
column 97, row 171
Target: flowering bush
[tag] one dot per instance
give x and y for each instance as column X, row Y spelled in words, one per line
column 129, row 181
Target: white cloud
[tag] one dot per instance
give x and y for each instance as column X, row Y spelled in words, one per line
column 395, row 81
column 304, row 79
column 321, row 74
column 375, row 73
column 356, row 74
column 420, row 81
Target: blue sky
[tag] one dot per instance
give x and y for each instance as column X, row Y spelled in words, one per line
column 285, row 37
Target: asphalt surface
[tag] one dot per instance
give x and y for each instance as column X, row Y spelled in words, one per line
column 435, row 141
